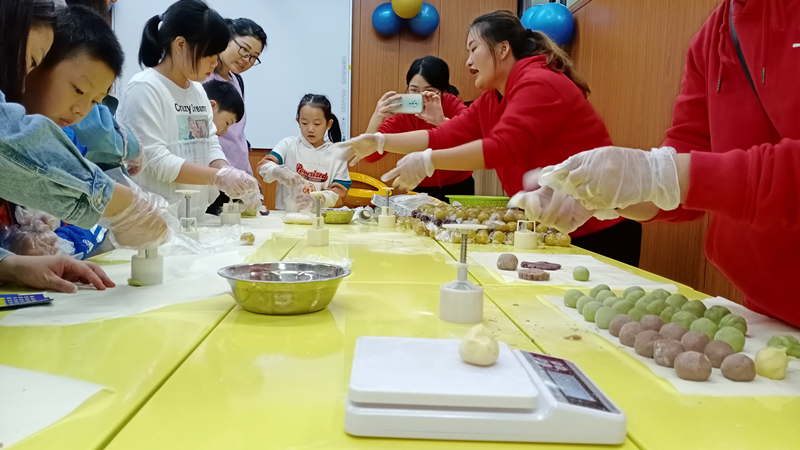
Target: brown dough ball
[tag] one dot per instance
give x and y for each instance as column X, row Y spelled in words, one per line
column 651, row 322
column 693, row 366
column 617, row 322
column 695, row 341
column 644, row 343
column 673, row 331
column 666, row 350
column 507, row 261
column 628, row 332
column 738, row 367
column 717, row 351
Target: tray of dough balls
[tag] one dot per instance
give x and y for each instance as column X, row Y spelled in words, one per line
column 559, row 269
column 702, row 347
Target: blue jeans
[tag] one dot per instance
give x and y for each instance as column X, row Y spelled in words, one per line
column 41, row 169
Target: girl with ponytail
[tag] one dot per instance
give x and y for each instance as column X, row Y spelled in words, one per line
column 533, row 112
column 306, row 163
column 168, row 109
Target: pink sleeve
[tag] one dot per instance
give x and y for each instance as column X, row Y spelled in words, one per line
column 759, row 186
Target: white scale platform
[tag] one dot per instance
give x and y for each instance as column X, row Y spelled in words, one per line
column 420, row 388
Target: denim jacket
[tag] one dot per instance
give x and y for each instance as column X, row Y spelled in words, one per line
column 41, row 169
column 109, row 143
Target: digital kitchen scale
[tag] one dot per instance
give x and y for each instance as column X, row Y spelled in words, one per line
column 422, row 389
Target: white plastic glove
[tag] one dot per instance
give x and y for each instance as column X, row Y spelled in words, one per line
column 555, row 209
column 329, row 199
column 362, row 146
column 271, row 172
column 411, row 170
column 140, row 224
column 304, row 202
column 234, row 182
column 252, row 202
column 615, row 177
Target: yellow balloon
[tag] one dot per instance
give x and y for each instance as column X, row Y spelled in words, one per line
column 406, row 8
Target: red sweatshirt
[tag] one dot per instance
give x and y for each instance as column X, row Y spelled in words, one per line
column 745, row 167
column 542, row 120
column 401, row 123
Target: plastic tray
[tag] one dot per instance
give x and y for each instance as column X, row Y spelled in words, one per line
column 478, row 200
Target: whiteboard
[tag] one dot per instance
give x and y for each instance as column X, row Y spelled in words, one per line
column 308, row 51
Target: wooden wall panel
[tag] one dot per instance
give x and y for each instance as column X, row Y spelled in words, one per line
column 632, row 54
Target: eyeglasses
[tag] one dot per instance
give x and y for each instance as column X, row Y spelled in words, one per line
column 246, row 55
column 429, row 89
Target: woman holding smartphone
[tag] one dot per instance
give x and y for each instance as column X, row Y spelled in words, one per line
column 429, row 76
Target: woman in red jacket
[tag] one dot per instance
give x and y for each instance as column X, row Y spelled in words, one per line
column 533, row 112
column 733, row 151
column 429, row 76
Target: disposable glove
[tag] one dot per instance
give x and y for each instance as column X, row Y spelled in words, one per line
column 362, row 146
column 411, row 170
column 555, row 209
column 271, row 172
column 234, row 182
column 140, row 224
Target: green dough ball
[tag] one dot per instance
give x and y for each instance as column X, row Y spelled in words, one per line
column 135, row 282
column 636, row 314
column 785, row 342
column 667, row 313
column 732, row 320
column 610, row 301
column 596, row 290
column 623, row 306
column 645, row 301
column 582, row 302
column 602, row 295
column 657, row 307
column 716, row 313
column 677, row 300
column 684, row 318
column 663, row 294
column 772, row 362
column 590, row 310
column 571, row 298
column 634, row 296
column 732, row 336
column 695, row 307
column 707, row 326
column 580, row 273
column 603, row 317
column 632, row 289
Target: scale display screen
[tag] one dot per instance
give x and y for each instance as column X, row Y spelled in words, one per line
column 568, row 384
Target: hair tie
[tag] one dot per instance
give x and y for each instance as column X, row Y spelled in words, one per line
column 530, row 33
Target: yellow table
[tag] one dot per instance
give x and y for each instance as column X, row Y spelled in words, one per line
column 132, row 355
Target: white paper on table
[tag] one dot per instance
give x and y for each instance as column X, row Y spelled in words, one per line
column 600, row 272
column 187, row 278
column 31, row 401
column 759, row 329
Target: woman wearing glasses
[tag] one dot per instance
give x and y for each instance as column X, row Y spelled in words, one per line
column 248, row 41
column 429, row 76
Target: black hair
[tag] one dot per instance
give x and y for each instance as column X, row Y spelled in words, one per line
column 226, row 96
column 81, row 30
column 17, row 18
column 322, row 102
column 99, row 6
column 246, row 27
column 504, row 26
column 205, row 31
column 435, row 71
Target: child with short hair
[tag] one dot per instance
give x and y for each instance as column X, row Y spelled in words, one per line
column 226, row 103
column 305, row 163
column 170, row 112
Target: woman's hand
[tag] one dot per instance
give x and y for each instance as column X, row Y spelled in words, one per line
column 58, row 273
column 432, row 111
column 362, row 146
column 386, row 107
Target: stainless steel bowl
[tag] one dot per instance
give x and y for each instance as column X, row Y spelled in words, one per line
column 284, row 288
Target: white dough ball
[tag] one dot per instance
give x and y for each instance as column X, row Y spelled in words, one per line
column 479, row 347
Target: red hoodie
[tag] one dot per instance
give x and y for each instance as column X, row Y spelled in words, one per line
column 452, row 106
column 542, row 120
column 745, row 167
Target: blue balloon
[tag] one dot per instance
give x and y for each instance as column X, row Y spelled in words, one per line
column 426, row 21
column 385, row 21
column 553, row 19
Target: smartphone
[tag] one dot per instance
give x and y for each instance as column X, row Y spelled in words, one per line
column 410, row 104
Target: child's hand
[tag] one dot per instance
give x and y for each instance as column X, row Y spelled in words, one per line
column 140, row 224
column 362, row 146
column 304, row 202
column 385, row 108
column 234, row 182
column 58, row 273
column 432, row 111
